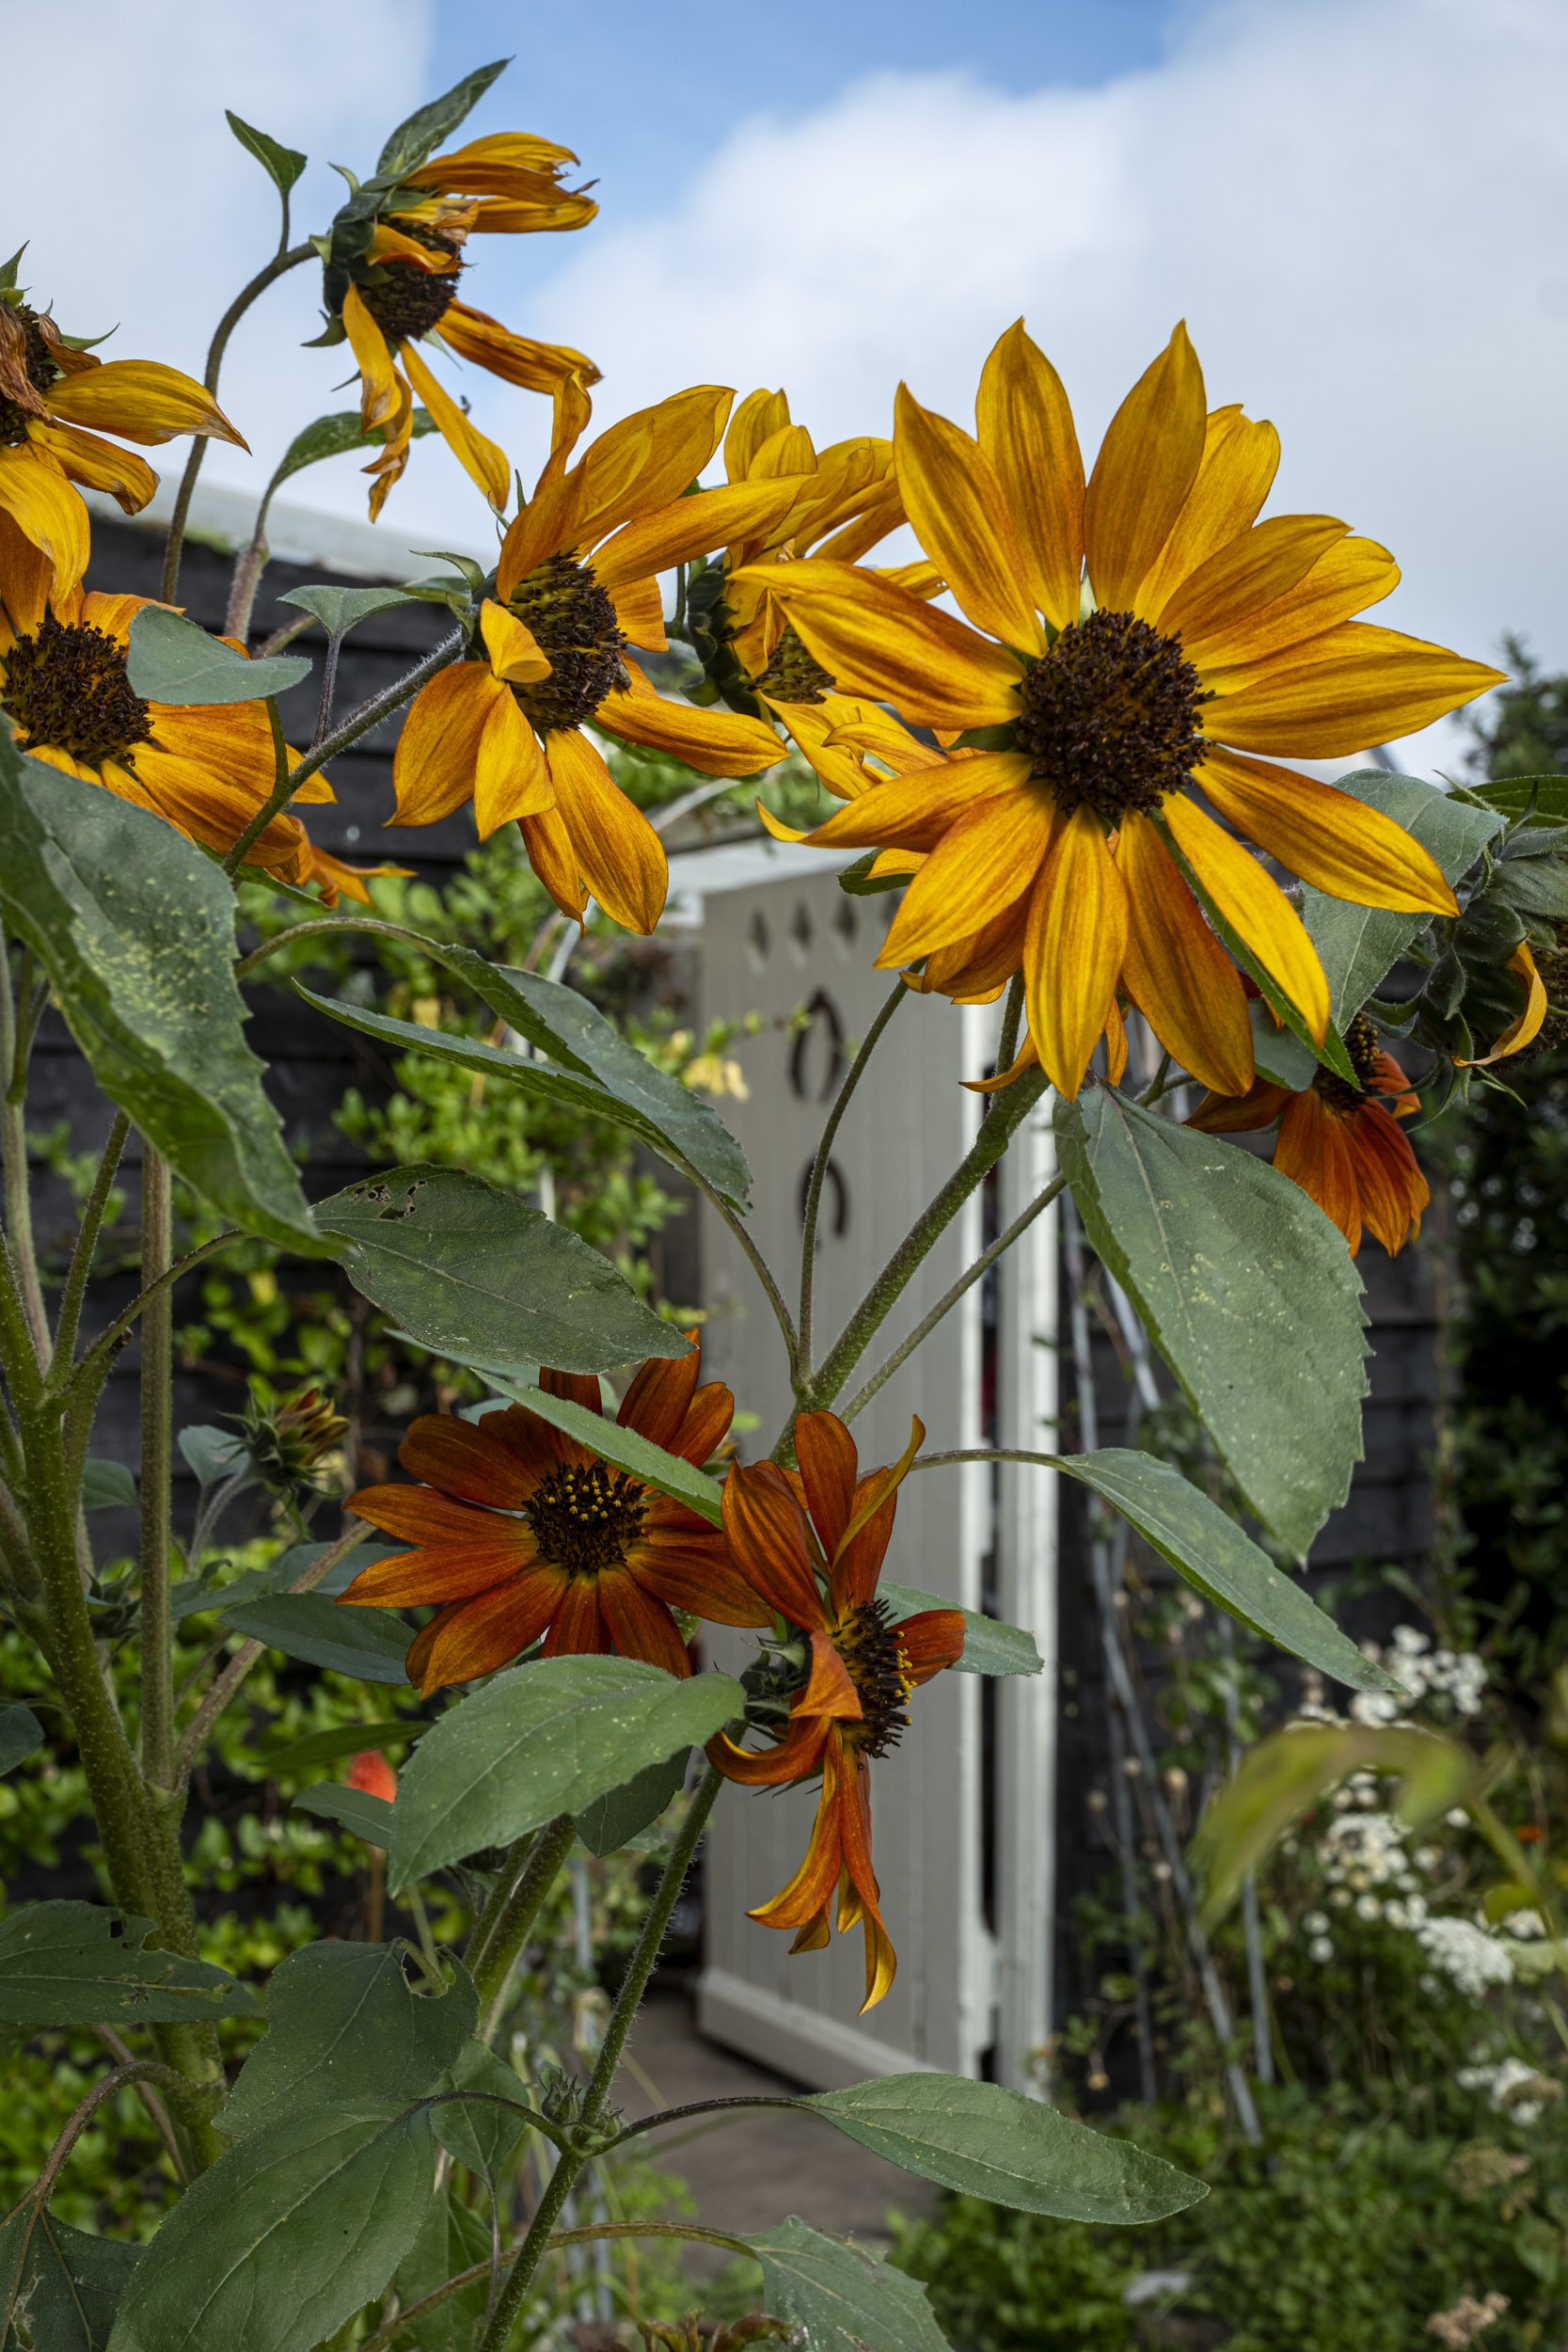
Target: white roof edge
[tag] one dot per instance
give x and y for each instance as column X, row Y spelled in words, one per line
column 295, row 534
column 699, row 874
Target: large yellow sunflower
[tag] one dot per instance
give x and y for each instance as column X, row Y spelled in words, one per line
column 401, row 287
column 575, row 586
column 1124, row 641
column 49, row 392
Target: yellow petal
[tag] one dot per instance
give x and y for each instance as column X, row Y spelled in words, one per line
column 130, row 480
column 757, row 418
column 1521, row 1032
column 515, row 652
column 714, row 742
column 480, row 459
column 956, row 503
column 1237, row 582
column 437, row 752
column 640, row 614
column 511, row 779
column 552, row 854
column 1343, row 581
column 379, row 389
column 1234, row 477
column 546, row 525
column 875, row 639
column 618, row 851
column 140, row 400
column 914, row 811
column 648, row 459
column 1255, row 907
column 1073, row 949
column 1332, row 840
column 1147, row 464
column 1175, row 970
column 693, row 526
column 1025, row 427
column 390, row 244
column 981, row 865
column 789, row 451
column 1340, row 692
column 50, row 513
column 515, row 358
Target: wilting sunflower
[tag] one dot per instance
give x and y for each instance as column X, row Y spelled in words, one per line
column 50, row 391
column 577, row 586
column 65, row 687
column 1124, row 641
column 519, row 1532
column 1340, row 1142
column 392, row 281
column 861, row 1669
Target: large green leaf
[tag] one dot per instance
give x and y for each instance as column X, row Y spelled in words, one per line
column 107, row 1485
column 58, row 2286
column 844, row 2298
column 297, row 1756
column 471, row 1271
column 1245, row 1288
column 994, row 2144
column 359, row 1811
column 543, row 1740
column 285, row 2238
column 627, row 1448
column 477, row 2132
column 1358, row 944
column 21, row 1736
column 1546, row 797
column 345, row 2029
column 169, row 660
column 70, row 1963
column 369, row 1644
column 424, row 130
column 611, row 1822
column 1205, row 1544
column 337, row 436
column 450, row 2241
column 339, row 609
column 991, row 1647
column 135, row 930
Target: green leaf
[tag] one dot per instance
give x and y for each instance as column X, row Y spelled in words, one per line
column 284, row 2238
column 358, row 1810
column 846, row 2298
column 472, row 1272
column 171, row 660
column 337, row 436
column 990, row 1646
column 1512, row 795
column 1357, row 945
column 283, row 164
column 136, row 929
column 70, row 1963
column 21, row 1736
column 479, row 2135
column 859, row 882
column 330, row 1747
column 59, row 2287
column 1017, row 2151
column 539, row 1740
column 450, row 2241
column 1281, row 1054
column 1244, row 1287
column 611, row 1822
column 211, row 1452
column 369, row 1644
column 107, row 1485
column 339, row 609
column 1205, row 1544
column 424, row 131
column 627, row 1448
column 345, row 2029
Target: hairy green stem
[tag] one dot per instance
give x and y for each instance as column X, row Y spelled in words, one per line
column 67, row 1322
column 157, row 1464
column 753, row 1256
column 702, row 2106
column 15, row 1039
column 369, row 714
column 277, row 801
column 1006, row 1041
column 101, row 1353
column 503, row 1932
column 824, row 1154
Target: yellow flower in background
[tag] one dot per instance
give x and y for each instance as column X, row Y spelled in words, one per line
column 52, row 394
column 1125, row 639
column 402, row 288
column 575, row 587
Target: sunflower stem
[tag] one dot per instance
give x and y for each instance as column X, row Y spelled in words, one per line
column 157, row 1462
column 1006, row 1042
column 16, row 1025
column 369, row 714
column 101, row 1351
column 500, row 1936
column 819, row 1164
column 69, row 1319
column 758, row 1263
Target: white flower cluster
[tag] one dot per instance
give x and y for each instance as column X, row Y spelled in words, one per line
column 1367, row 1867
column 1466, row 1954
column 1502, row 2082
column 1457, row 1679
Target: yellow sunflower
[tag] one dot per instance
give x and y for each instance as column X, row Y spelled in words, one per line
column 401, row 288
column 575, row 586
column 1124, row 641
column 49, row 392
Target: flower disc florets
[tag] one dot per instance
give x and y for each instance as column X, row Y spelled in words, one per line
column 585, row 1517
column 867, row 1641
column 404, row 300
column 1110, row 717
column 793, row 675
column 1362, row 1045
column 67, row 687
column 573, row 621
column 39, row 368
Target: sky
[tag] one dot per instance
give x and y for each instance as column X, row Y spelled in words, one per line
column 1357, row 205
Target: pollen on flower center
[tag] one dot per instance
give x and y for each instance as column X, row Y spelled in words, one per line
column 573, row 623
column 1363, row 1049
column 39, row 365
column 67, row 688
column 404, row 300
column 867, row 1641
column 1110, row 717
column 585, row 1517
column 793, row 675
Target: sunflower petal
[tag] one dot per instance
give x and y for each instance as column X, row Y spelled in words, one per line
column 714, row 742
column 954, row 500
column 649, row 459
column 437, row 752
column 1025, row 428
column 1331, row 839
column 1234, row 477
column 379, row 390
column 50, row 516
column 515, row 654
column 1523, row 1031
column 829, row 1464
column 1237, row 582
column 1073, row 949
column 1344, row 581
column 1146, row 466
column 982, row 864
column 618, row 851
column 481, row 460
column 511, row 777
column 130, row 480
column 1314, row 1152
column 640, row 614
column 1175, row 969
column 486, row 1632
column 1255, row 907
column 552, row 854
column 515, row 358
column 1339, row 691
column 1391, row 1188
column 139, row 399
column 693, row 526
column 640, row 1625
column 877, row 639
column 768, row 1538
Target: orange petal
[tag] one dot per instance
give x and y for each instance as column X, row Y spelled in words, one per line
column 1147, row 464
column 515, row 654
column 828, row 1463
column 689, row 527
column 1241, row 579
column 129, row 480
column 877, row 639
column 1255, row 907
column 914, row 811
column 982, row 864
column 511, row 779
column 639, row 613
column 437, row 752
column 1341, row 691
column 1389, row 1184
column 49, row 513
column 1073, row 949
column 649, row 459
column 1025, row 428
column 1175, row 969
column 472, row 1460
column 767, row 1537
column 1313, row 1151
column 617, row 850
column 659, row 1397
column 479, row 458
column 380, row 392
column 796, row 1758
column 139, row 399
column 639, row 1626
column 1521, row 1032
column 519, row 360
column 954, row 500
column 489, row 1631
column 714, row 742
column 552, row 854
column 1234, row 476
column 1331, row 839
column 1345, row 580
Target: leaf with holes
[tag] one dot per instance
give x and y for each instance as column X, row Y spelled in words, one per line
column 169, row 660
column 346, row 2028
column 845, row 2298
column 59, row 2287
column 70, row 1963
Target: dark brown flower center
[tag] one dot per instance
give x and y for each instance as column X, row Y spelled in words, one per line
column 793, row 675
column 1361, row 1044
column 586, row 1518
column 867, row 1641
column 66, row 689
column 38, row 365
column 1110, row 717
column 573, row 623
column 404, row 300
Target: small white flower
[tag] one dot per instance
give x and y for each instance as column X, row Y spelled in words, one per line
column 1321, row 1948
column 1457, row 1818
column 1343, row 1796
column 1374, row 1706
column 1340, row 1898
column 1315, row 1923
column 1407, row 1640
column 1416, row 1909
column 1396, row 1913
column 1525, row 1925
column 1426, row 1857
column 1367, row 1907
column 1466, row 1954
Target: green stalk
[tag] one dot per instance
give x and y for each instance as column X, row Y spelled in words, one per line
column 157, row 1464
column 500, row 1936
column 67, row 1322
column 15, row 1039
column 819, row 1164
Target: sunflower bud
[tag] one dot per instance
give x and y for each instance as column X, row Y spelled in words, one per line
column 289, row 1443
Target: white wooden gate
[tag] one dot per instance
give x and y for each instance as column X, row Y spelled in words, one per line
column 969, row 1797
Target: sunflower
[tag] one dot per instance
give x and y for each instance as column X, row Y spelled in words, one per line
column 851, row 1706
column 65, row 687
column 51, row 389
column 1124, row 641
column 1340, row 1142
column 520, row 1532
column 575, row 586
column 400, row 287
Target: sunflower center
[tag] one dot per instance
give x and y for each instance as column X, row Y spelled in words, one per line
column 573, row 623
column 66, row 689
column 39, row 366
column 404, row 300
column 1110, row 717
column 793, row 675
column 585, row 1517
column 867, row 1641
column 1363, row 1049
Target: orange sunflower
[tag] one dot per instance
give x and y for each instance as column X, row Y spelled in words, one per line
column 853, row 1703
column 50, row 391
column 575, row 586
column 1340, row 1142
column 206, row 769
column 400, row 287
column 1124, row 640
column 519, row 1532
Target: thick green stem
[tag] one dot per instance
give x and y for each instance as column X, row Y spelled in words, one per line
column 369, row 714
column 277, row 799
column 95, row 1363
column 596, row 2098
column 503, row 1933
column 69, row 1320
column 819, row 1164
column 157, row 1464
column 15, row 1040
